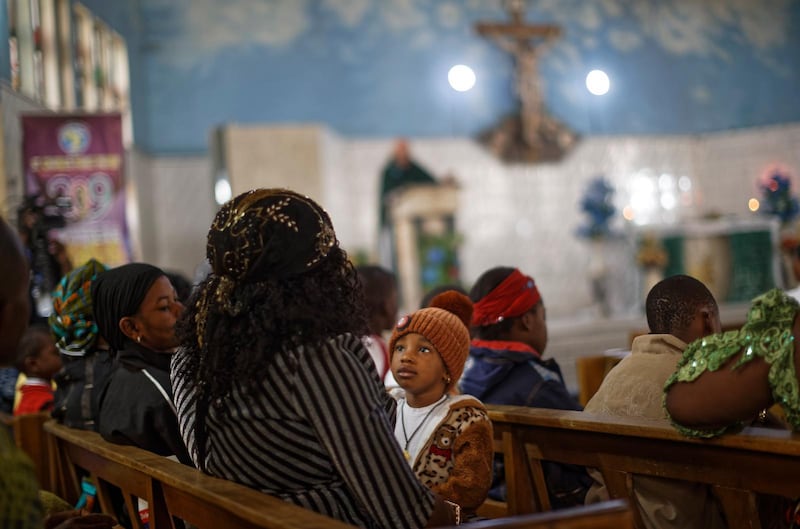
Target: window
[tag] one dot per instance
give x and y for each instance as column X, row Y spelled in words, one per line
column 85, row 71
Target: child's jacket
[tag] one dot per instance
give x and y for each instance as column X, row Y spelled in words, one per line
column 456, row 461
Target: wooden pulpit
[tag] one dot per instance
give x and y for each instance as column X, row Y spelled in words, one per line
column 425, row 242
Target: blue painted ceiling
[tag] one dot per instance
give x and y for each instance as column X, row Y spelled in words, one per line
column 378, row 68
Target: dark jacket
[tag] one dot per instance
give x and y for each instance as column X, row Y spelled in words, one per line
column 133, row 411
column 512, row 373
column 79, row 387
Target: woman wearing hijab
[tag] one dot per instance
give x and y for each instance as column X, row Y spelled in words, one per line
column 136, row 309
column 273, row 385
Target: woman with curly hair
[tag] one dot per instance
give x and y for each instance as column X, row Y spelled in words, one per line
column 273, row 386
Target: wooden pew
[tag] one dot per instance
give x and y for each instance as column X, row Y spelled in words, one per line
column 29, row 436
column 614, row 514
column 174, row 491
column 170, row 488
column 736, row 466
column 590, row 371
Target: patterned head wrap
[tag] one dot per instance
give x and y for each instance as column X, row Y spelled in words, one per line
column 118, row 293
column 72, row 320
column 259, row 235
column 514, row 296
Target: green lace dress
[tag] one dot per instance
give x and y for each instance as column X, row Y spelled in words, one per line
column 768, row 335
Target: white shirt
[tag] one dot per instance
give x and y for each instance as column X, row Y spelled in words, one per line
column 420, row 424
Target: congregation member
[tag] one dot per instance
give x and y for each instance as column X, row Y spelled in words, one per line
column 86, row 356
column 435, row 291
column 679, row 309
column 728, row 380
column 446, row 438
column 506, row 367
column 274, row 387
column 39, row 361
column 380, row 297
column 20, row 506
column 136, row 308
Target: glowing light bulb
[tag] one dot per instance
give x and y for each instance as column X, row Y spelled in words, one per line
column 222, row 191
column 597, row 82
column 461, row 78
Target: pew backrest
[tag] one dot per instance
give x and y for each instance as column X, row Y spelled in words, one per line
column 614, row 514
column 29, row 437
column 736, row 466
column 171, row 489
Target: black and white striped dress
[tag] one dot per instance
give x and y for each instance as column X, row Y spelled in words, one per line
column 318, row 433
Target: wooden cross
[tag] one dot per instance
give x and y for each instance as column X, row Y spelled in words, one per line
column 524, row 42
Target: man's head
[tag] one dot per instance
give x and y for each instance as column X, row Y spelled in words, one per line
column 14, row 302
column 401, row 154
column 683, row 307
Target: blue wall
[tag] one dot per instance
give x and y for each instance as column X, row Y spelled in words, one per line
column 378, row 67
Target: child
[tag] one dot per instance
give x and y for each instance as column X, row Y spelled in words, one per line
column 446, row 438
column 39, row 360
column 680, row 309
column 380, row 295
column 506, row 367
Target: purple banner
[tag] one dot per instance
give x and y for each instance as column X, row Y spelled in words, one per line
column 77, row 162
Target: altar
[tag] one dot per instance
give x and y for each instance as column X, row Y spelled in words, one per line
column 737, row 259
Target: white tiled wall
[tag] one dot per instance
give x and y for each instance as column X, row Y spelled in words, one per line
column 517, row 215
column 176, row 210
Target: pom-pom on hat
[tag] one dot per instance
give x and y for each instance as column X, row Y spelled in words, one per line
column 445, row 324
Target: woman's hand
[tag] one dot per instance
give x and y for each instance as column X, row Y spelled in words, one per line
column 444, row 514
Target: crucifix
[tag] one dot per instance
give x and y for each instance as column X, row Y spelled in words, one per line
column 525, row 42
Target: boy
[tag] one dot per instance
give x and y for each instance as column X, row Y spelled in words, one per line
column 380, row 298
column 680, row 310
column 506, row 367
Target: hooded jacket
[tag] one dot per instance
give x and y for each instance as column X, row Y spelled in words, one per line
column 512, row 373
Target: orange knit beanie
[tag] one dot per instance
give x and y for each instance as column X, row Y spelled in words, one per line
column 445, row 324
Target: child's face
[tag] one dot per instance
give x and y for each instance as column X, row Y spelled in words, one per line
column 418, row 369
column 48, row 362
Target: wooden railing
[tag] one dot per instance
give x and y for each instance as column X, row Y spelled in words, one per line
column 176, row 493
column 172, row 490
column 735, row 466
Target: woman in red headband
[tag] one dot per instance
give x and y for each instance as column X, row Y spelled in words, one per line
column 506, row 367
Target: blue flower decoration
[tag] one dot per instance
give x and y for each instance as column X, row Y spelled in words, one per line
column 597, row 204
column 777, row 198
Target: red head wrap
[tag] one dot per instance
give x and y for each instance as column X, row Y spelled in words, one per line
column 515, row 296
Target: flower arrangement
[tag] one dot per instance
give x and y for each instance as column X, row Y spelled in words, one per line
column 651, row 253
column 777, row 198
column 438, row 244
column 598, row 206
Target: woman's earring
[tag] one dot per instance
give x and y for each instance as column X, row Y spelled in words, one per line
column 447, row 379
column 139, row 339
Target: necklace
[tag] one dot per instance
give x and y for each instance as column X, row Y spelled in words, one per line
column 408, row 438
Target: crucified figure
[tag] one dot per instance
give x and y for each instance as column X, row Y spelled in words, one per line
column 524, row 42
